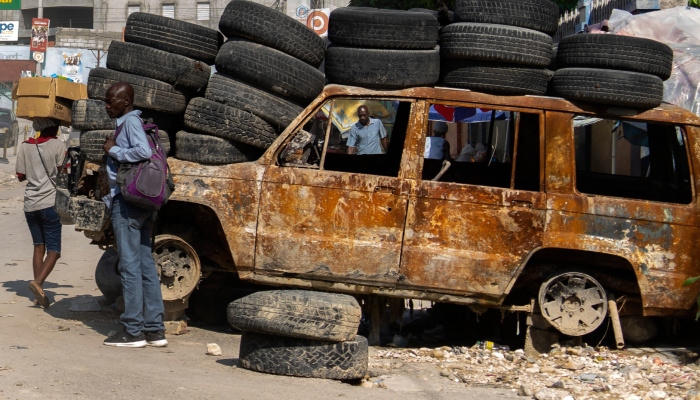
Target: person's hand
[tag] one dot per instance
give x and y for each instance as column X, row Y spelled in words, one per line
column 109, row 143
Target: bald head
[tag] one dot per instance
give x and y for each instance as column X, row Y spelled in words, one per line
column 363, row 114
column 119, row 99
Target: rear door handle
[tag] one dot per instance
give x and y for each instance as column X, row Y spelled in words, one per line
column 521, row 203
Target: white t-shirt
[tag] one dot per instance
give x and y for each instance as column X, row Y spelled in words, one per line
column 40, row 192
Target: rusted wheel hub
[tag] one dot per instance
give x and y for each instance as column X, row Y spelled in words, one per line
column 573, row 302
column 178, row 267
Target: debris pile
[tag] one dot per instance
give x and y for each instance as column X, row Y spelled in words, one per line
column 565, row 372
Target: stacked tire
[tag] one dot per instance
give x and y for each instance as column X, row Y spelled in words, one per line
column 165, row 60
column 499, row 46
column 267, row 72
column 612, row 69
column 382, row 49
column 300, row 333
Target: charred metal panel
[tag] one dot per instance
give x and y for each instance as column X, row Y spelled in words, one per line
column 331, row 225
column 656, row 238
column 469, row 239
column 233, row 192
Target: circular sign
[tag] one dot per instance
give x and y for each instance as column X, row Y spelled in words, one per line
column 318, row 22
column 39, row 57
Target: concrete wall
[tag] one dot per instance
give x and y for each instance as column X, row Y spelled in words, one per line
column 111, row 15
column 86, row 38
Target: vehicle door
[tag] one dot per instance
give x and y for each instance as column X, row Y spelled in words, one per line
column 469, row 230
column 329, row 215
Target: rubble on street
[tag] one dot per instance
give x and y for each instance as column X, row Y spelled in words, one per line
column 578, row 372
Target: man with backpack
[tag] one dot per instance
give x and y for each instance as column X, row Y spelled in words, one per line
column 143, row 302
column 38, row 161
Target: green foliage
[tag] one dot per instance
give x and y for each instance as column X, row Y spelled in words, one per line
column 694, row 3
column 690, row 281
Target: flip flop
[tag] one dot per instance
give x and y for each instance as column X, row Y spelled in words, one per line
column 40, row 295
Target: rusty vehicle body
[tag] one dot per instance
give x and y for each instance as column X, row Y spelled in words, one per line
column 403, row 235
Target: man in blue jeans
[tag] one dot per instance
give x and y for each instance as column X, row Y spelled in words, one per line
column 143, row 302
column 38, row 161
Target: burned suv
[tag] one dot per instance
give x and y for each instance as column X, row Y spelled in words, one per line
column 541, row 199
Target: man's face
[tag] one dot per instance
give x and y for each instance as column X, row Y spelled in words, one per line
column 116, row 103
column 363, row 114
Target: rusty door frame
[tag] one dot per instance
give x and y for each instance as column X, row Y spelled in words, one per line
column 415, row 174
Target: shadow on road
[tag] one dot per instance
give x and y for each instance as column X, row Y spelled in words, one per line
column 229, row 362
column 21, row 288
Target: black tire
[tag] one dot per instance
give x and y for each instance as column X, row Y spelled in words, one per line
column 272, row 28
column 490, row 42
column 174, row 36
column 270, row 69
column 91, row 143
column 496, row 78
column 297, row 313
column 382, row 69
column 107, row 275
column 148, row 93
column 625, row 53
column 302, row 357
column 540, row 15
column 603, row 86
column 450, row 14
column 88, row 115
column 207, row 116
column 384, row 29
column 276, row 110
column 205, row 149
column 181, row 72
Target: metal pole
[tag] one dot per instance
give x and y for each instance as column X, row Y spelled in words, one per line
column 4, row 146
column 40, row 14
column 615, row 318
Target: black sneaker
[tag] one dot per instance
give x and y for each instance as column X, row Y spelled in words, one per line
column 156, row 339
column 124, row 339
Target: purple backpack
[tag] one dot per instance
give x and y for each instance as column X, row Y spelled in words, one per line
column 146, row 184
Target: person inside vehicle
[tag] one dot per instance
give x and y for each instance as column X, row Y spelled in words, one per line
column 367, row 136
column 436, row 147
column 471, row 153
column 38, row 162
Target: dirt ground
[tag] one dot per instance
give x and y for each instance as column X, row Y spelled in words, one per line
column 58, row 354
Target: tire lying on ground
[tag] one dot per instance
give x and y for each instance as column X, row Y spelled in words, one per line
column 87, row 115
column 270, row 69
column 174, row 36
column 490, row 42
column 382, row 69
column 276, row 110
column 107, row 275
column 210, row 117
column 272, row 28
column 181, row 72
column 540, row 15
column 91, row 143
column 148, row 93
column 205, row 149
column 385, row 29
column 297, row 313
column 302, row 357
column 603, row 86
column 497, row 78
column 626, row 53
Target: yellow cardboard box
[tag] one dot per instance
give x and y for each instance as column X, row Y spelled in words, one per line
column 47, row 97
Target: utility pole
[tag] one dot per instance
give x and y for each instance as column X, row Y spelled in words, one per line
column 40, row 14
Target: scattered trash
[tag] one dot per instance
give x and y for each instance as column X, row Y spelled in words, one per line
column 19, row 347
column 10, row 264
column 63, row 328
column 5, row 368
column 84, row 304
column 213, row 349
column 492, row 346
column 6, row 316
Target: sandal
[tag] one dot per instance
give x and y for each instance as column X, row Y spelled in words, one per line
column 40, row 295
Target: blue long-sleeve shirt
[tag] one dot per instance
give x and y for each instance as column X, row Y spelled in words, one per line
column 131, row 146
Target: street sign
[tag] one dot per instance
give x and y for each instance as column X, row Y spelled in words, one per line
column 10, row 4
column 9, row 31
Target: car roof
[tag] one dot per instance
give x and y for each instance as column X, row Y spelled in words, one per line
column 667, row 113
